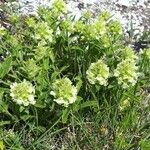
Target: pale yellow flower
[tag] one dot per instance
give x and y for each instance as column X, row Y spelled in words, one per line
column 98, row 72
column 64, row 92
column 23, row 93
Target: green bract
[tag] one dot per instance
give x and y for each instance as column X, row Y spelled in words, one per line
column 22, row 93
column 79, row 26
column 64, row 92
column 59, row 6
column 100, row 27
column 106, row 42
column 42, row 31
column 67, row 25
column 41, row 50
column 98, row 73
column 87, row 15
column 31, row 22
column 31, row 68
column 115, row 27
column 128, row 53
column 126, row 73
column 105, row 15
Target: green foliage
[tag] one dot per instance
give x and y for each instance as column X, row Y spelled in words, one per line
column 62, row 74
column 5, row 67
column 1, row 145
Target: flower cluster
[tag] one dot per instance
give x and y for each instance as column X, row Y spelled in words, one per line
column 94, row 29
column 31, row 68
column 59, row 6
column 106, row 41
column 126, row 72
column 100, row 27
column 42, row 31
column 128, row 53
column 79, row 26
column 87, row 15
column 31, row 22
column 115, row 27
column 67, row 25
column 41, row 50
column 105, row 15
column 64, row 92
column 98, row 73
column 124, row 104
column 22, row 93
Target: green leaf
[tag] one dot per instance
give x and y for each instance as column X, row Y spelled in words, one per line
column 79, row 83
column 76, row 105
column 41, row 129
column 1, row 93
column 2, row 145
column 52, row 56
column 25, row 117
column 3, row 107
column 3, row 123
column 5, row 67
column 21, row 109
column 92, row 103
column 65, row 115
column 145, row 144
column 46, row 64
column 38, row 105
column 56, row 73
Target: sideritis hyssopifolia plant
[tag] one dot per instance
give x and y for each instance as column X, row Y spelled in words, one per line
column 23, row 93
column 57, row 68
column 126, row 73
column 64, row 92
column 98, row 73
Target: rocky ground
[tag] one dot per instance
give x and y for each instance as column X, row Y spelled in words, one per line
column 133, row 14
column 136, row 11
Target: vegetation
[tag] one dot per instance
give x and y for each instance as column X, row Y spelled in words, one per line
column 72, row 84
